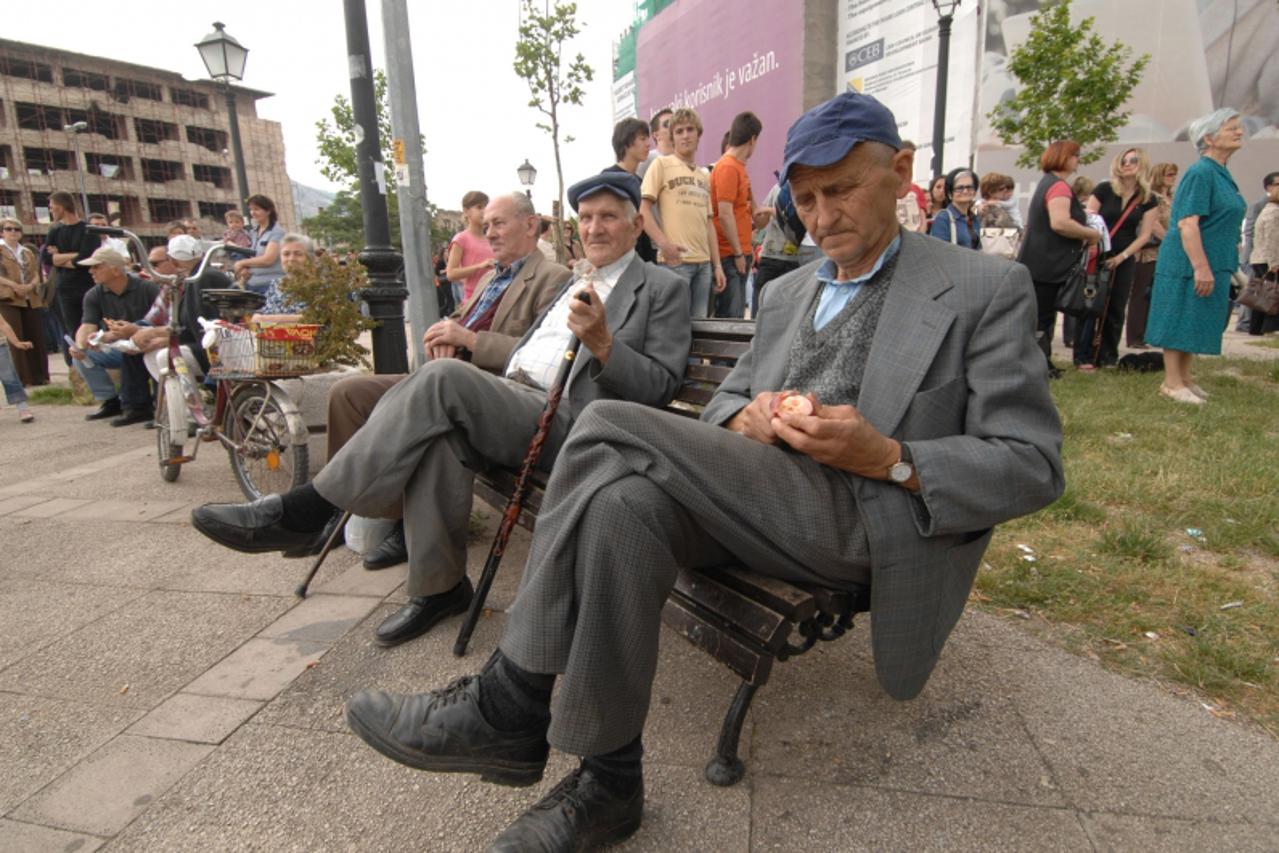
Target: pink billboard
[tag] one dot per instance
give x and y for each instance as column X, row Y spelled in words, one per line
column 722, row 59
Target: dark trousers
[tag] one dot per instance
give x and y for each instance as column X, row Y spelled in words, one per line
column 1139, row 303
column 1112, row 322
column 1046, row 316
column 768, row 269
column 33, row 364
column 731, row 302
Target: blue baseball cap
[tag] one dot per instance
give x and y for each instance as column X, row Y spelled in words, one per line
column 825, row 134
column 624, row 185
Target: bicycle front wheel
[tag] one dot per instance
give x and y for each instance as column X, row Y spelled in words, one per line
column 170, row 427
column 263, row 456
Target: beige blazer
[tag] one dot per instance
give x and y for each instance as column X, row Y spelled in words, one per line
column 11, row 270
column 525, row 298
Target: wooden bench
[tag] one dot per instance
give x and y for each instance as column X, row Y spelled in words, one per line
column 746, row 620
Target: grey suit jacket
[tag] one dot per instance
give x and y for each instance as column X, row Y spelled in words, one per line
column 647, row 314
column 953, row 371
column 525, row 299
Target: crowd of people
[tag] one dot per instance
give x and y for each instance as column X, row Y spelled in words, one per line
column 921, row 344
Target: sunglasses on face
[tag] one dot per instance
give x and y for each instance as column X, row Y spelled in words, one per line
column 1129, row 161
column 11, row 228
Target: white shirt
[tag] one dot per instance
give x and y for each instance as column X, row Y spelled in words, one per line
column 537, row 361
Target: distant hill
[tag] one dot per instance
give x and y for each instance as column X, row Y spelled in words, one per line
column 308, row 201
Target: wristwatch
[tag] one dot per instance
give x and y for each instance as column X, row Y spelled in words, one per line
column 902, row 470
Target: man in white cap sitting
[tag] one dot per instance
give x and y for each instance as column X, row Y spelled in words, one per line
column 117, row 298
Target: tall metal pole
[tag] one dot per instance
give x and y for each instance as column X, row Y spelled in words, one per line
column 237, row 148
column 939, row 108
column 384, row 295
column 80, row 166
column 415, row 225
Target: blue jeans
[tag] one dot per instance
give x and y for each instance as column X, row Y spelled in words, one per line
column 13, row 390
column 700, row 281
column 134, row 391
column 732, row 301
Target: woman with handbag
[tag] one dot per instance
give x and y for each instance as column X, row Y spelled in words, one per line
column 1162, row 178
column 1265, row 257
column 1197, row 257
column 1055, row 237
column 21, row 303
column 956, row 222
column 1126, row 206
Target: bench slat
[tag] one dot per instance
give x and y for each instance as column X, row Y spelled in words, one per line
column 713, row 348
column 706, row 373
column 790, row 601
column 717, row 640
column 761, row 624
column 696, row 395
column 718, row 328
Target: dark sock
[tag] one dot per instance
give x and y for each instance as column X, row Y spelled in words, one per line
column 304, row 510
column 621, row 771
column 513, row 699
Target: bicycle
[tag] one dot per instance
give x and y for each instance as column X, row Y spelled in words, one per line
column 252, row 415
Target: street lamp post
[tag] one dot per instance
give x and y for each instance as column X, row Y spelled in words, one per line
column 224, row 58
column 528, row 175
column 945, row 17
column 80, row 164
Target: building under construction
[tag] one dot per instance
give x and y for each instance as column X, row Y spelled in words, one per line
column 154, row 147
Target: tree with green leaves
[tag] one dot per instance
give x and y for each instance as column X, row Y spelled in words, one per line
column 1073, row 86
column 553, row 80
column 342, row 222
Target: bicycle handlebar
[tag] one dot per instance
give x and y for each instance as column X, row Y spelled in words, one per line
column 136, row 242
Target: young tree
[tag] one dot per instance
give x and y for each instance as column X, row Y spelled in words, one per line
column 540, row 62
column 1073, row 86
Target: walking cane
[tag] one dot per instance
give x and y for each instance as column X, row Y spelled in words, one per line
column 300, row 592
column 512, row 511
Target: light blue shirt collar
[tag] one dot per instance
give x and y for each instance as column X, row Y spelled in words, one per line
column 836, row 294
column 826, row 272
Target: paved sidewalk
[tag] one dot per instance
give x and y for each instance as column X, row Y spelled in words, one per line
column 160, row 693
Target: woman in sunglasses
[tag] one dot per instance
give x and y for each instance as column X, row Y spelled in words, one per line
column 21, row 304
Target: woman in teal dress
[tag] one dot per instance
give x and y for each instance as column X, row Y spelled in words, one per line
column 1192, row 275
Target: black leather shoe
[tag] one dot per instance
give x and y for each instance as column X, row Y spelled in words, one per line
column 133, row 416
column 421, row 613
column 256, row 528
column 108, row 409
column 579, row 813
column 391, row 551
column 444, row 731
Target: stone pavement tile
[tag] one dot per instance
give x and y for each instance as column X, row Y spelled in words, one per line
column 18, row 502
column 48, row 509
column 40, row 738
column 278, row 788
column 682, row 811
column 28, row 487
column 30, row 838
column 1111, row 833
column 110, row 788
column 124, row 511
column 691, row 692
column 259, row 669
column 144, row 651
column 181, row 515
column 35, row 613
column 200, row 719
column 824, row 717
column 213, row 568
column 1122, row 745
column 357, row 580
column 355, row 663
column 320, row 618
column 792, row 814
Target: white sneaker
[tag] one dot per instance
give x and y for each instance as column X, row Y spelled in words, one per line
column 1182, row 395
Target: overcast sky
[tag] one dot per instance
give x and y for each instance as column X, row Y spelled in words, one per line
column 472, row 108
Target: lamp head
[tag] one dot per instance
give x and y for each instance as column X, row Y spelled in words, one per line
column 223, row 56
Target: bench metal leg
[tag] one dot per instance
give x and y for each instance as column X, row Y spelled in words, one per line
column 726, row 768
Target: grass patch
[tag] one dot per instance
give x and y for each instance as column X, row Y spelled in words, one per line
column 1265, row 343
column 1168, row 516
column 51, row 395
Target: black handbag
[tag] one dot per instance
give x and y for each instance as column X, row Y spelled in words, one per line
column 1097, row 290
column 1070, row 296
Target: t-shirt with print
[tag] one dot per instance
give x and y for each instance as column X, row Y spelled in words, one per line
column 682, row 194
column 474, row 250
column 729, row 182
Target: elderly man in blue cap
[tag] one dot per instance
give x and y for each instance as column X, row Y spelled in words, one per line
column 932, row 423
column 429, row 434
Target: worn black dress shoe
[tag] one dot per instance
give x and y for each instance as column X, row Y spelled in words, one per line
column 580, row 813
column 444, row 731
column 108, row 409
column 256, row 528
column 421, row 613
column 391, row 551
column 133, row 416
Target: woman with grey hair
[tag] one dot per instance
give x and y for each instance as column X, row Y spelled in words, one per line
column 1192, row 275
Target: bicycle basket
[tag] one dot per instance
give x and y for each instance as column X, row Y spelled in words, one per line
column 265, row 350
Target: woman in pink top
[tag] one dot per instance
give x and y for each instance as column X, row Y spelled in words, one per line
column 470, row 255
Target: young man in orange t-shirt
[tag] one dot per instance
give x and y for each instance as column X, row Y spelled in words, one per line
column 732, row 204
